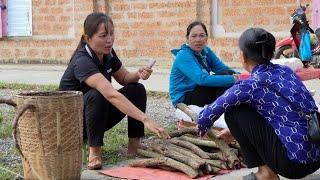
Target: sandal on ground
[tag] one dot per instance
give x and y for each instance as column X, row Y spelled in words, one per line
column 95, row 162
column 250, row 176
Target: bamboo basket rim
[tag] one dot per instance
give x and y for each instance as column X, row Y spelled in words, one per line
column 48, row 94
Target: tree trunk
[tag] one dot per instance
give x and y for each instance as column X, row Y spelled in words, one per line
column 160, row 161
column 233, row 160
column 149, row 154
column 184, row 108
column 200, row 142
column 218, row 156
column 180, row 132
column 182, row 150
column 198, row 151
column 177, row 156
column 217, row 163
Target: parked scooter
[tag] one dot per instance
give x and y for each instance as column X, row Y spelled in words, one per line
column 289, row 46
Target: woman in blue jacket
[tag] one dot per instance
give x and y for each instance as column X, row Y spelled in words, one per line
column 198, row 76
column 264, row 113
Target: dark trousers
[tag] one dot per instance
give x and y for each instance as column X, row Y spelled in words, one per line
column 100, row 115
column 203, row 95
column 261, row 146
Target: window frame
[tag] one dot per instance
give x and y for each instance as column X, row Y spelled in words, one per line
column 27, row 25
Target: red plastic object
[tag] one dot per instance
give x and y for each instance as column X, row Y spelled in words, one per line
column 304, row 74
column 308, row 73
column 151, row 174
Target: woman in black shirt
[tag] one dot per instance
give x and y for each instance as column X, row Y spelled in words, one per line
column 90, row 70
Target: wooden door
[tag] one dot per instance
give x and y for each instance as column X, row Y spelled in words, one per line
column 3, row 18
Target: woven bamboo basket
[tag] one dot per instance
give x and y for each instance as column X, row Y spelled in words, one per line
column 48, row 130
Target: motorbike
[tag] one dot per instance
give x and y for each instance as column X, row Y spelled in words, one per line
column 289, row 46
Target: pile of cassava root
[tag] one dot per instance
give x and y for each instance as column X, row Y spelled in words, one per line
column 190, row 154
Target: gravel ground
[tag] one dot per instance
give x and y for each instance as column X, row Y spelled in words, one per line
column 159, row 108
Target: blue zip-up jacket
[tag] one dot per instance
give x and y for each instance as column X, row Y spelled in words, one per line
column 187, row 72
column 290, row 127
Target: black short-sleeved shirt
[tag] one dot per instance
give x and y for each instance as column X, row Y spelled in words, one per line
column 82, row 66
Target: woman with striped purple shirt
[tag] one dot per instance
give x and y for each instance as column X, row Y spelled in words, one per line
column 271, row 131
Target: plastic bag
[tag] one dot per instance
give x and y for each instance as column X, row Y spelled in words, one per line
column 220, row 123
column 305, row 46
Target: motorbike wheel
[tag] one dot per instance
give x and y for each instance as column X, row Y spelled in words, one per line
column 285, row 52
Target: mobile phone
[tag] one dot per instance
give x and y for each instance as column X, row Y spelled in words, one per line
column 151, row 63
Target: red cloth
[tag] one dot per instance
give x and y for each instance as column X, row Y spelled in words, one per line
column 303, row 73
column 150, row 174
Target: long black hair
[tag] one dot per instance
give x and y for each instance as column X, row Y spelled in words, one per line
column 90, row 26
column 258, row 45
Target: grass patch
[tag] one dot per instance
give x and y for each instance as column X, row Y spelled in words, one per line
column 25, row 87
column 9, row 173
column 5, row 130
column 115, row 142
column 5, row 123
column 5, row 174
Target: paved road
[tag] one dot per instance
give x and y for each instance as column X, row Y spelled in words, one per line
column 51, row 74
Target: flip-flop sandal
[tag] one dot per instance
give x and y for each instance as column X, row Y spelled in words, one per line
column 250, row 176
column 97, row 165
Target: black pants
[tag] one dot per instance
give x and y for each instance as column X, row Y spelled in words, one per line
column 260, row 144
column 203, row 95
column 100, row 115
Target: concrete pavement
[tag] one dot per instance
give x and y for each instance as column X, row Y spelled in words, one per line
column 51, row 74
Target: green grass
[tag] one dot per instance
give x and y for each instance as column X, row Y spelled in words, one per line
column 10, row 173
column 26, row 87
column 5, row 123
column 115, row 143
column 5, row 130
column 5, row 175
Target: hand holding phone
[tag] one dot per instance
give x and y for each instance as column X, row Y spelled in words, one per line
column 151, row 63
